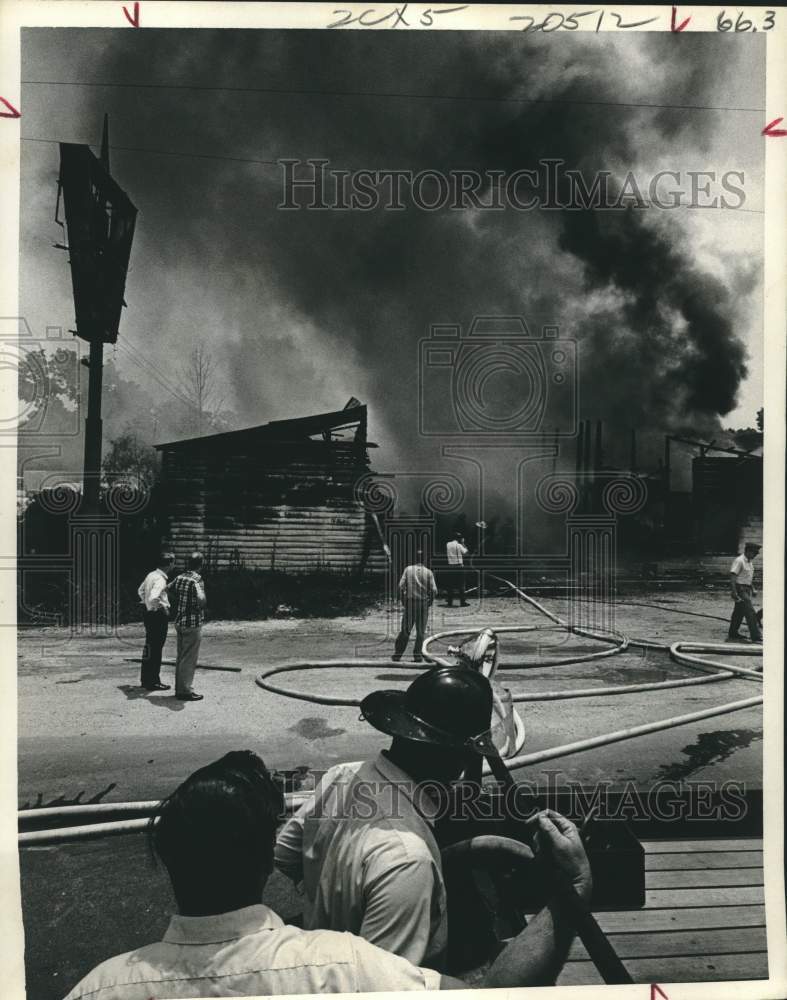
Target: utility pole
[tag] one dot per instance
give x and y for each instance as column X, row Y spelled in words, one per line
column 100, row 220
column 95, row 365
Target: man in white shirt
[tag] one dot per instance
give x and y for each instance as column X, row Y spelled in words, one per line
column 742, row 587
column 215, row 835
column 364, row 848
column 455, row 552
column 417, row 591
column 154, row 596
column 365, row 852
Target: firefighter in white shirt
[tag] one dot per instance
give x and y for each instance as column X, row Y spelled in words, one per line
column 154, row 596
column 455, row 552
column 364, row 846
column 742, row 585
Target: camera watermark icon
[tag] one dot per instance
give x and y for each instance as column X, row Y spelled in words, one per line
column 46, row 370
column 497, row 381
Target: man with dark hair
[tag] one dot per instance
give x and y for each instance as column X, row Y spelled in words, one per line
column 190, row 592
column 417, row 591
column 154, row 595
column 215, row 834
column 364, row 848
column 742, row 586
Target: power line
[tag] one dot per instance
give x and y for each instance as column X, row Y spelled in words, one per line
column 283, row 91
column 154, row 372
column 249, row 159
column 168, row 152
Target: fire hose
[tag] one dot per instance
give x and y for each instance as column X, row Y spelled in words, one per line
column 135, row 814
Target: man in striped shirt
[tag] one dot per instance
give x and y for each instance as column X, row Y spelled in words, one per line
column 190, row 594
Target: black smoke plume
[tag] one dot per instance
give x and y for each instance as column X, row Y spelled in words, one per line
column 306, row 308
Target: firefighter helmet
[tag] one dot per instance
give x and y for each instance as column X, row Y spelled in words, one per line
column 448, row 706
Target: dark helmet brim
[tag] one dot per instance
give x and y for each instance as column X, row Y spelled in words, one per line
column 388, row 712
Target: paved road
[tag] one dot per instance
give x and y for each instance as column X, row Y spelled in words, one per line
column 87, row 732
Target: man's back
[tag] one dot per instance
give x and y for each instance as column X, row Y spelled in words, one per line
column 455, row 552
column 417, row 583
column 369, row 861
column 248, row 952
column 190, row 594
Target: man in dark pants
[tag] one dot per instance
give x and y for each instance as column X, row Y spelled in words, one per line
column 417, row 589
column 455, row 552
column 155, row 614
column 742, row 584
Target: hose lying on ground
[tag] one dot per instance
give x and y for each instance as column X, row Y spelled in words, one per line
column 682, row 652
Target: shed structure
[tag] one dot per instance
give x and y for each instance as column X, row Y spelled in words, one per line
column 287, row 495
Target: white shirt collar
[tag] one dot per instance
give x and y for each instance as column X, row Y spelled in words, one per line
column 220, row 927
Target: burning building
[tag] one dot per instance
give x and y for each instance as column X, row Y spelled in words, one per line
column 286, row 495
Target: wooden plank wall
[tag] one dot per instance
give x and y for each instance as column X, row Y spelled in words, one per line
column 276, row 507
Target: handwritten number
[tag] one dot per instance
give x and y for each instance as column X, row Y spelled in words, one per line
column 741, row 23
column 347, row 18
column 744, row 25
column 571, row 22
column 554, row 21
column 524, row 17
column 367, row 17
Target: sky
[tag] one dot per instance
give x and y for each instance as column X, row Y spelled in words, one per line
column 303, row 309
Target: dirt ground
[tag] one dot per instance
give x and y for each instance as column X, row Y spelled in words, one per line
column 87, row 732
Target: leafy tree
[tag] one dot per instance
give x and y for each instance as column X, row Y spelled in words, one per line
column 44, row 379
column 130, row 460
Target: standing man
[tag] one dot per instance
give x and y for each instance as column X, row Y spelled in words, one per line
column 155, row 614
column 742, row 584
column 417, row 590
column 455, row 552
column 190, row 614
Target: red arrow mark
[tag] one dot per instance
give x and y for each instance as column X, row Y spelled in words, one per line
column 13, row 113
column 654, row 989
column 135, row 19
column 768, row 130
column 678, row 27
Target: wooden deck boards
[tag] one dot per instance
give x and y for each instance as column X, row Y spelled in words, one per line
column 703, row 920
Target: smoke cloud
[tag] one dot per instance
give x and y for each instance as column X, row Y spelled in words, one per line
column 305, row 308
